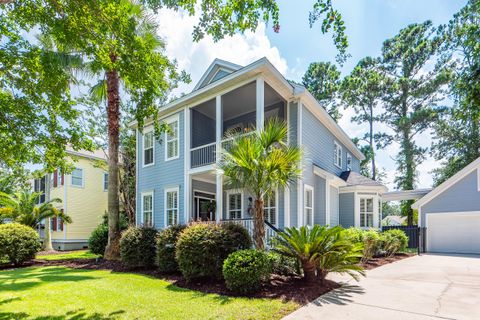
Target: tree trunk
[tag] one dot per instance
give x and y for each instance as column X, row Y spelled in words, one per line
column 372, row 150
column 112, row 251
column 259, row 225
column 309, row 269
column 408, row 151
column 47, row 242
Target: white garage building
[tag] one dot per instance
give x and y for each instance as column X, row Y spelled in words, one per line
column 451, row 213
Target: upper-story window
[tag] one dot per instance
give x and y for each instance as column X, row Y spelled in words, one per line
column 349, row 162
column 105, row 181
column 77, row 177
column 172, row 146
column 39, row 186
column 337, row 155
column 148, row 148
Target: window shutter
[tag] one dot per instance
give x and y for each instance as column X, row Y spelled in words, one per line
column 55, row 178
column 54, row 224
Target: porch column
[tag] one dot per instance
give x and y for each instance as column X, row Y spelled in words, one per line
column 260, row 92
column 218, row 146
column 219, row 198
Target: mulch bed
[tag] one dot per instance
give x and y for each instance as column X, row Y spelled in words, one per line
column 280, row 287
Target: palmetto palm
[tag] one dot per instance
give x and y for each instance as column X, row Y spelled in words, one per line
column 24, row 210
column 261, row 163
column 320, row 250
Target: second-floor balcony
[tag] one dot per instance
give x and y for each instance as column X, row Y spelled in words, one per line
column 240, row 110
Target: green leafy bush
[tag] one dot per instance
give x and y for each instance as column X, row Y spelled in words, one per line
column 393, row 241
column 138, row 247
column 244, row 270
column 18, row 243
column 240, row 239
column 166, row 242
column 98, row 239
column 354, row 234
column 283, row 265
column 201, row 249
column 372, row 242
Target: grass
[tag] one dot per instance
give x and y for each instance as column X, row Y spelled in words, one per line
column 63, row 293
column 80, row 254
column 409, row 250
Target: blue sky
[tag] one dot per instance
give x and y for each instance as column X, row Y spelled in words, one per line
column 368, row 22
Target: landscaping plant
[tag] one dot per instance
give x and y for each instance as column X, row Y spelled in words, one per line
column 238, row 235
column 138, row 247
column 166, row 242
column 394, row 240
column 245, row 270
column 97, row 242
column 18, row 243
column 283, row 265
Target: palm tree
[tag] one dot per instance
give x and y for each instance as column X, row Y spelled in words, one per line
column 320, row 250
column 24, row 209
column 261, row 162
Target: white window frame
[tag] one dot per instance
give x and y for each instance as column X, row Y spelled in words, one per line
column 169, row 121
column 146, row 194
column 145, row 132
column 266, row 207
column 83, row 178
column 336, row 156
column 234, row 192
column 308, row 188
column 166, row 209
column 366, row 212
column 105, row 174
column 349, row 162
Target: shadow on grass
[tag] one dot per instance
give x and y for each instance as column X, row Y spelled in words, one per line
column 340, row 296
column 198, row 294
column 74, row 315
column 23, row 279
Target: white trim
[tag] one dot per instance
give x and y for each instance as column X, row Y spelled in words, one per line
column 349, row 166
column 276, row 209
column 145, row 131
column 328, row 214
column 448, row 183
column 307, row 188
column 260, row 102
column 200, row 197
column 336, row 155
column 242, row 204
column 300, row 193
column 169, row 121
column 186, row 165
column 137, row 136
column 363, row 188
column 375, row 219
column 286, row 204
column 83, row 178
column 220, row 65
column 143, row 195
column 333, row 179
column 219, row 197
column 165, row 201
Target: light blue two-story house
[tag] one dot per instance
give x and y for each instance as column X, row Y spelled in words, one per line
column 176, row 176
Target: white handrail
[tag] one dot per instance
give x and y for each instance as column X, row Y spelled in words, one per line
column 203, row 146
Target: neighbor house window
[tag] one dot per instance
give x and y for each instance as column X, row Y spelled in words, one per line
column 349, row 162
column 269, row 208
column 105, row 181
column 148, row 148
column 337, row 155
column 172, row 145
column 147, row 209
column 308, row 205
column 39, row 186
column 366, row 212
column 171, row 206
column 235, row 205
column 77, row 177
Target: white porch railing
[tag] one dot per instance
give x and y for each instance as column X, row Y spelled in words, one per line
column 203, row 155
column 270, row 230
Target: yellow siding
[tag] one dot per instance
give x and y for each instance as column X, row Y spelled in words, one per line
column 85, row 205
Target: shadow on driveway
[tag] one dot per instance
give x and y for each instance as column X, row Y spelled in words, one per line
column 340, row 296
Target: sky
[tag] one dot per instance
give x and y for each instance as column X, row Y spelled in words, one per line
column 368, row 23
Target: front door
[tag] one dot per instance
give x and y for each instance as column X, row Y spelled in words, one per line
column 204, row 207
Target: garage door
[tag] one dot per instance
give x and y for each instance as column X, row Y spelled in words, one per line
column 453, row 232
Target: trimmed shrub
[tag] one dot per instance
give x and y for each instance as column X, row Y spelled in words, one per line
column 201, row 249
column 354, row 234
column 393, row 241
column 244, row 270
column 138, row 247
column 98, row 239
column 283, row 265
column 371, row 244
column 166, row 242
column 18, row 243
column 240, row 239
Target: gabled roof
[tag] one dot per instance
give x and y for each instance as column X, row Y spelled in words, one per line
column 94, row 155
column 217, row 70
column 356, row 179
column 475, row 165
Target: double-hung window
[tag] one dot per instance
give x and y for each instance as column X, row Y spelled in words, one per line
column 235, row 205
column 148, row 148
column 269, row 208
column 39, row 186
column 366, row 212
column 349, row 162
column 171, row 206
column 147, row 209
column 77, row 177
column 105, row 181
column 308, row 205
column 337, row 155
column 172, row 144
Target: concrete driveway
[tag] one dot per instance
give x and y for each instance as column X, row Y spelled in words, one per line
column 421, row 287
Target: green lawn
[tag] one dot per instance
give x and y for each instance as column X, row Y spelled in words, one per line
column 80, row 254
column 63, row 293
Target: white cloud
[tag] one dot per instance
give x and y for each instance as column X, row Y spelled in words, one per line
column 176, row 30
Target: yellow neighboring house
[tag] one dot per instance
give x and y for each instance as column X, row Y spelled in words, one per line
column 84, row 198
